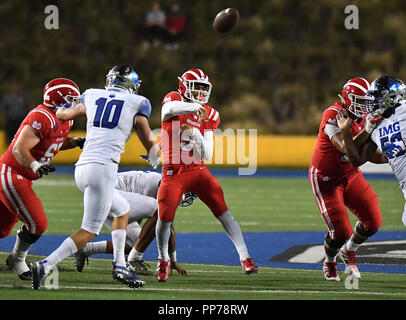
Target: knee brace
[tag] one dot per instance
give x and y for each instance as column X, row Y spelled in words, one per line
column 360, row 230
column 333, row 244
column 27, row 236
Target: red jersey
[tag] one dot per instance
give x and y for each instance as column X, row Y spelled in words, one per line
column 326, row 158
column 49, row 129
column 177, row 151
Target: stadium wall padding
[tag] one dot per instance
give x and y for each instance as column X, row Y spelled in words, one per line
column 232, row 150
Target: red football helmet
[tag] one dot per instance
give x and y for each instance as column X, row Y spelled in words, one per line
column 194, row 85
column 60, row 91
column 354, row 96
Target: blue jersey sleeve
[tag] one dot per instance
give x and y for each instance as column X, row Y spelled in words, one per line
column 145, row 109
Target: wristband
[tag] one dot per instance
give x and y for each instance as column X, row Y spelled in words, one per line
column 35, row 165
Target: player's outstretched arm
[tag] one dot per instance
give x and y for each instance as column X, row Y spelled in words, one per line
column 71, row 113
column 144, row 132
column 72, row 142
column 173, row 108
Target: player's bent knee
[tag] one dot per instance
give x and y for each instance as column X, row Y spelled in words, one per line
column 41, row 227
column 334, row 243
column 27, row 236
column 364, row 232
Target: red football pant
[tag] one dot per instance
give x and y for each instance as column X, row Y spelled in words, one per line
column 19, row 202
column 333, row 195
column 177, row 180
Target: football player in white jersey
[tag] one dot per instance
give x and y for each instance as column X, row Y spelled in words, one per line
column 388, row 111
column 111, row 114
column 140, row 189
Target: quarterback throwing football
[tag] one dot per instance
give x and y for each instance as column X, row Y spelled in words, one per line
column 187, row 137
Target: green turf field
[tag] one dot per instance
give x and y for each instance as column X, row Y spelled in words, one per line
column 259, row 204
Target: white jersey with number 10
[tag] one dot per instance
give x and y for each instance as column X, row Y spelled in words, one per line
column 110, row 119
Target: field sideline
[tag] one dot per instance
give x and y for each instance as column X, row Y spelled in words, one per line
column 260, row 204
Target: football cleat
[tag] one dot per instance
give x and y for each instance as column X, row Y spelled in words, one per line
column 38, row 274
column 19, row 267
column 162, row 270
column 139, row 267
column 330, row 271
column 249, row 266
column 348, row 258
column 122, row 274
column 80, row 258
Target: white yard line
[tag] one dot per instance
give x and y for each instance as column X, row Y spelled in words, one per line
column 348, row 292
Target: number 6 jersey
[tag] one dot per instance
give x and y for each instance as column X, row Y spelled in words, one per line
column 110, row 119
column 389, row 137
column 52, row 133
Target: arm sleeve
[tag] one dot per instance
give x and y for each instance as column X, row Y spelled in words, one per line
column 145, row 109
column 331, row 130
column 204, row 143
column 173, row 108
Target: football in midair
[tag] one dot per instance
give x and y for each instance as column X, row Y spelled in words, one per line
column 226, row 20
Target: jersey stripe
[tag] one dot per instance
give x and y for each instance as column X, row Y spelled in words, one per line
column 333, row 108
column 216, row 116
column 211, row 113
column 358, row 86
column 62, row 86
column 48, row 115
column 320, row 201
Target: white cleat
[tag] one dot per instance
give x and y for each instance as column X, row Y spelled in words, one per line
column 348, row 258
column 330, row 271
column 19, row 267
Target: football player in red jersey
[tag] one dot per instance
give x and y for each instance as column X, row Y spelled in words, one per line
column 187, row 137
column 337, row 185
column 39, row 138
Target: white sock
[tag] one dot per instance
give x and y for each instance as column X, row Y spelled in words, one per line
column 118, row 237
column 163, row 232
column 66, row 249
column 330, row 259
column 20, row 249
column 352, row 246
column 95, row 247
column 233, row 230
column 135, row 255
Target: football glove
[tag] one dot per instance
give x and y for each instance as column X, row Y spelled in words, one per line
column 371, row 121
column 80, row 142
column 41, row 169
column 187, row 199
column 153, row 163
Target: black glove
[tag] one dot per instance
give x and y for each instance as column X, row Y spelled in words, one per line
column 80, row 142
column 45, row 169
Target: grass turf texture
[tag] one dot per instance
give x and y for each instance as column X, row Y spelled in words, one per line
column 259, row 204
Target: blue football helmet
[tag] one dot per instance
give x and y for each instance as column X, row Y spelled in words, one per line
column 123, row 77
column 386, row 92
column 187, row 199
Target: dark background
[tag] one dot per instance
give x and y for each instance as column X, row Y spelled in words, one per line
column 283, row 64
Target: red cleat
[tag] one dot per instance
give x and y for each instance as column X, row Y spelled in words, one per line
column 249, row 266
column 162, row 270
